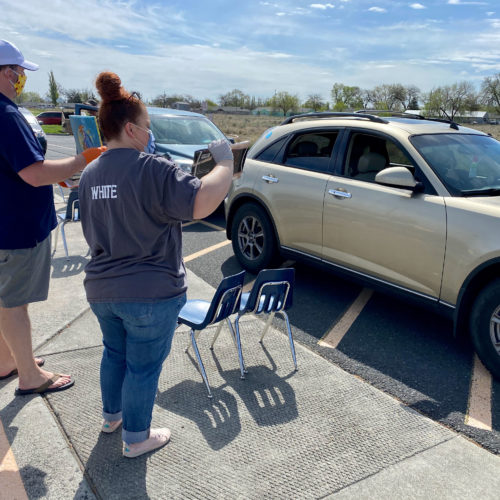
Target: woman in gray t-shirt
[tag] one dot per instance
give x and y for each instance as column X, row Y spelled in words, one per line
column 132, row 205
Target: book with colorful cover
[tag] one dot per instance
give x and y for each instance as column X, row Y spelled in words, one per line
column 86, row 134
column 203, row 161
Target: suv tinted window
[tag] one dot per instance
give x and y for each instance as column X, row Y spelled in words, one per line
column 369, row 154
column 269, row 154
column 311, row 151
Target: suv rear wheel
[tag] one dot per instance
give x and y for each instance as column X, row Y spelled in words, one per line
column 485, row 327
column 253, row 238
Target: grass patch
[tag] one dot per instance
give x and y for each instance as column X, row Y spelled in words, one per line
column 53, row 129
column 245, row 127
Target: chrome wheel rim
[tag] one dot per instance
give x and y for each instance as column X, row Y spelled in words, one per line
column 495, row 329
column 251, row 237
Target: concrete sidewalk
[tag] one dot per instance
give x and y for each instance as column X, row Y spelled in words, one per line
column 315, row 433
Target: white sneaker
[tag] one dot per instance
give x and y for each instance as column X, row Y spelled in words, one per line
column 109, row 427
column 157, row 439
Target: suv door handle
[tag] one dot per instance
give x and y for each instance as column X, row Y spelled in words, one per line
column 339, row 193
column 270, row 179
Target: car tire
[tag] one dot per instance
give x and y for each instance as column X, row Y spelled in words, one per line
column 253, row 240
column 485, row 327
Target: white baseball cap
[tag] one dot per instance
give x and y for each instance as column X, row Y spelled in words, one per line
column 10, row 54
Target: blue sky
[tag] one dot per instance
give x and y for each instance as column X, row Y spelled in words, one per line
column 207, row 48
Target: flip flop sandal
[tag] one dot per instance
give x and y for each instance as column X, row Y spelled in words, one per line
column 44, row 388
column 109, row 427
column 38, row 361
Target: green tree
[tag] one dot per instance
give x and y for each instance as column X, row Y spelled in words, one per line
column 53, row 89
column 78, row 95
column 315, row 102
column 490, row 92
column 285, row 102
column 346, row 97
column 236, row 98
column 33, row 97
column 450, row 100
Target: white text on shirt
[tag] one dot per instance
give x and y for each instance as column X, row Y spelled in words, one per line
column 101, row 192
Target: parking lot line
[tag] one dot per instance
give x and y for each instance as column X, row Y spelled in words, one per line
column 209, row 224
column 207, row 250
column 479, row 406
column 11, row 484
column 213, row 226
column 336, row 334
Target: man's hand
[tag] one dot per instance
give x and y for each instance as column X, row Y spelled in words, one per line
column 221, row 151
column 91, row 154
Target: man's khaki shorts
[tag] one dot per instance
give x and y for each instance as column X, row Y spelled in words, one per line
column 24, row 275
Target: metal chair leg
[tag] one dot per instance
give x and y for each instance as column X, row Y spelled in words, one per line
column 190, row 343
column 290, row 337
column 233, row 335
column 62, row 193
column 200, row 363
column 219, row 328
column 238, row 347
column 267, row 325
column 63, row 235
column 55, row 240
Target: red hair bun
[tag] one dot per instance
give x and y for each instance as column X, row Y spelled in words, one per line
column 110, row 88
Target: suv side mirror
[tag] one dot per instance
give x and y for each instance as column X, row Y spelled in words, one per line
column 398, row 177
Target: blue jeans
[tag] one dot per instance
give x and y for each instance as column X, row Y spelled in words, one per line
column 137, row 338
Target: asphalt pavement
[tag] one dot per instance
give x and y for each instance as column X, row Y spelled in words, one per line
column 316, row 433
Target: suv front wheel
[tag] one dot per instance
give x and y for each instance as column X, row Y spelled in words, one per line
column 253, row 238
column 485, row 327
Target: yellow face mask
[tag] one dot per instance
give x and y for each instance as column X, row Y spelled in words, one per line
column 20, row 82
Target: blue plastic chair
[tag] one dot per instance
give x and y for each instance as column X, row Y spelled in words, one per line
column 70, row 215
column 271, row 294
column 198, row 314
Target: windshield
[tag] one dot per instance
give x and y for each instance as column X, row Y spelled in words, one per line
column 30, row 117
column 183, row 130
column 466, row 164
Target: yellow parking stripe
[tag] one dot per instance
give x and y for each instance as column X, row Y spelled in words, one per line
column 205, row 223
column 206, row 250
column 479, row 406
column 11, row 484
column 336, row 334
column 213, row 226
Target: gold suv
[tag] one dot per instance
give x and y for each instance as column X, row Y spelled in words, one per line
column 405, row 203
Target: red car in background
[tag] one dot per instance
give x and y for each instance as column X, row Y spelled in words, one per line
column 50, row 118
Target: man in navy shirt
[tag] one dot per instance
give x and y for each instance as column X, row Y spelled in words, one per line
column 27, row 217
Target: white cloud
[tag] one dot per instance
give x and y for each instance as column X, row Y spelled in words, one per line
column 417, row 6
column 460, row 2
column 322, row 6
column 301, row 51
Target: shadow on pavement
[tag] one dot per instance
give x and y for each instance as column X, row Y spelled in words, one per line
column 107, row 473
column 63, row 267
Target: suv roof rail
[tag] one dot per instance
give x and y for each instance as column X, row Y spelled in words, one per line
column 330, row 114
column 402, row 114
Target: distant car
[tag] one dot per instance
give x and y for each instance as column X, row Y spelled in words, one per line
column 49, row 118
column 405, row 204
column 180, row 133
column 37, row 129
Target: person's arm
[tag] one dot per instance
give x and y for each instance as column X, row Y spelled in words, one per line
column 214, row 185
column 47, row 172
